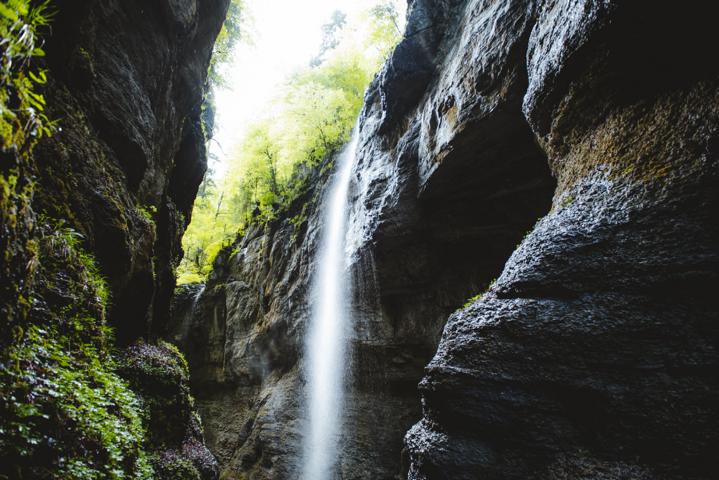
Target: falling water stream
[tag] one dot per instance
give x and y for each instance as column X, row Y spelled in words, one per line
column 329, row 324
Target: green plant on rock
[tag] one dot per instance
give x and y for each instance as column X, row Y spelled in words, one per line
column 65, row 411
column 471, row 301
column 171, row 466
column 159, row 373
column 22, row 124
column 22, row 118
column 66, row 244
column 148, row 212
column 298, row 221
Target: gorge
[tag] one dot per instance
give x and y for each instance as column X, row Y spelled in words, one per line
column 526, row 215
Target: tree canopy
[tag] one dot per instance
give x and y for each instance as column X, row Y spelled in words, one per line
column 310, row 118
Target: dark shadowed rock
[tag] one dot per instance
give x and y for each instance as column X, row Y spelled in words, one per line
column 91, row 221
column 593, row 356
column 128, row 80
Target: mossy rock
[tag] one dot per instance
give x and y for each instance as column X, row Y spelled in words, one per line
column 64, row 411
column 159, row 373
column 172, row 465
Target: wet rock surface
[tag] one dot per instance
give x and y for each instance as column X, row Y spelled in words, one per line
column 593, row 354
column 243, row 335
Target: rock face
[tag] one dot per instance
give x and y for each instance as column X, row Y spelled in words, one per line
column 127, row 83
column 91, row 221
column 594, row 353
column 242, row 335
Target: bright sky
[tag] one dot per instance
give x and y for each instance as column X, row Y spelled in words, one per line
column 285, row 35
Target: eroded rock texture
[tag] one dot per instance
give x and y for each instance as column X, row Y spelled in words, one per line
column 127, row 85
column 594, row 353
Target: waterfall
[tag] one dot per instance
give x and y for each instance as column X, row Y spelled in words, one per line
column 329, row 324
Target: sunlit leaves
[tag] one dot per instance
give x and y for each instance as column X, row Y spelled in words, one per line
column 311, row 118
column 22, row 117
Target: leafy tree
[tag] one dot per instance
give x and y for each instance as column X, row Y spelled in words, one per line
column 330, row 36
column 233, row 30
column 385, row 29
column 311, row 118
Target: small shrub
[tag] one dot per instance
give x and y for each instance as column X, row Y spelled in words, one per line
column 160, row 375
column 172, row 465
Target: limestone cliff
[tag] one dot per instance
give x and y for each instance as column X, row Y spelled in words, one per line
column 582, row 135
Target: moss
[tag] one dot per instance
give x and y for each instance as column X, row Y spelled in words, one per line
column 471, row 301
column 148, row 212
column 17, row 247
column 171, row 465
column 65, row 411
column 159, row 373
column 230, row 475
column 566, row 201
column 648, row 142
column 298, row 221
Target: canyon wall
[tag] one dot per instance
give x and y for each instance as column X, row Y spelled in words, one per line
column 91, row 225
column 127, row 84
column 580, row 135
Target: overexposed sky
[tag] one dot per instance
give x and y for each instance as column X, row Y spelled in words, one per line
column 285, row 35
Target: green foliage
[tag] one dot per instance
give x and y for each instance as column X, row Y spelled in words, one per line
column 478, row 297
column 65, row 411
column 148, row 212
column 230, row 475
column 65, row 243
column 470, row 301
column 22, row 121
column 232, row 31
column 160, row 375
column 60, row 393
column 19, row 250
column 71, row 407
column 22, row 124
column 172, row 466
column 311, row 119
column 385, row 26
